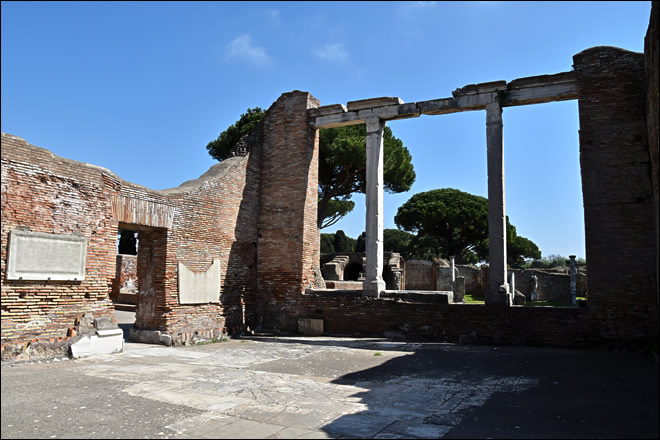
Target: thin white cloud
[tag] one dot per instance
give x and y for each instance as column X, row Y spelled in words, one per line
column 274, row 16
column 332, row 52
column 242, row 48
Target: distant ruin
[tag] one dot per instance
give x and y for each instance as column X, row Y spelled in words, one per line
column 238, row 248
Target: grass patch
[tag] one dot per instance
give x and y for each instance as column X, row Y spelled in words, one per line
column 377, row 354
column 469, row 299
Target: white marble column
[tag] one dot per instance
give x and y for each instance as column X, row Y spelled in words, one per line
column 498, row 289
column 453, row 274
column 373, row 284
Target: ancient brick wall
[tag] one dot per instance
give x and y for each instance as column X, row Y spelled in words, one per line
column 652, row 76
column 45, row 193
column 473, row 284
column 617, row 192
column 554, row 287
column 288, row 246
column 125, row 280
column 351, row 314
column 212, row 217
column 419, row 275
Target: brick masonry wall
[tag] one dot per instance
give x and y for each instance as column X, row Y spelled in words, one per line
column 651, row 63
column 351, row 314
column 125, row 280
column 473, row 284
column 617, row 192
column 419, row 275
column 45, row 193
column 211, row 217
column 288, row 246
column 555, row 287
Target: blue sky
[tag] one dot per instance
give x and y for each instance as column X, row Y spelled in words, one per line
column 141, row 87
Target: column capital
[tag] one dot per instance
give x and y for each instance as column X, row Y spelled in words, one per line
column 373, row 123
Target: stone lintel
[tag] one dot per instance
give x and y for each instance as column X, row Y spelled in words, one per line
column 541, row 89
column 522, row 91
column 326, row 110
column 373, row 102
column 391, row 112
column 459, row 104
column 542, row 80
column 473, row 89
column 337, row 120
column 491, row 86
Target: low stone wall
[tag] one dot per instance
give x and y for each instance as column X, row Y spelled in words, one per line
column 214, row 217
column 345, row 313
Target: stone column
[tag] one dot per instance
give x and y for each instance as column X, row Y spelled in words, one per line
column 453, row 274
column 373, row 283
column 498, row 288
column 573, row 272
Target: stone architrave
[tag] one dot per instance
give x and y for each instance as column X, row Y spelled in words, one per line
column 49, row 257
column 573, row 274
column 498, row 289
column 373, row 283
column 199, row 288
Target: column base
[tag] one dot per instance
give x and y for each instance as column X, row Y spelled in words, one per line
column 498, row 295
column 373, row 288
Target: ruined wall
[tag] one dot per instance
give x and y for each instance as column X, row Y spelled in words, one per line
column 350, row 314
column 554, row 287
column 651, row 63
column 212, row 217
column 419, row 275
column 619, row 210
column 125, row 280
column 288, row 246
column 45, row 193
column 473, row 284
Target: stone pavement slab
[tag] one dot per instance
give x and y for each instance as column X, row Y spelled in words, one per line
column 323, row 387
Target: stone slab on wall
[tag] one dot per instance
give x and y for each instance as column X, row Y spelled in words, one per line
column 199, row 288
column 41, row 256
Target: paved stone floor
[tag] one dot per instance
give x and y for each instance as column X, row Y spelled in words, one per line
column 322, row 387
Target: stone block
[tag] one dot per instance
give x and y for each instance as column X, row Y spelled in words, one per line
column 41, row 256
column 333, row 271
column 105, row 323
column 310, row 326
column 107, row 342
column 373, row 102
column 150, row 337
column 326, row 110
